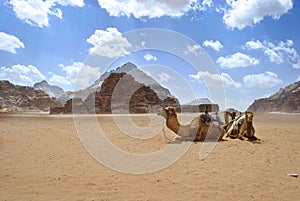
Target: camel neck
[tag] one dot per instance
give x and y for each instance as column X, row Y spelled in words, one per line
column 249, row 128
column 172, row 123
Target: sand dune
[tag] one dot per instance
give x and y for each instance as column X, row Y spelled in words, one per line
column 42, row 158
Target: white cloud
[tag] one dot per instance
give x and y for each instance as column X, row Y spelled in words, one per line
column 298, row 79
column 37, row 12
column 207, row 3
column 32, row 12
column 254, row 45
column 237, row 60
column 193, row 49
column 164, row 77
column 150, row 57
column 277, row 53
column 228, row 81
column 216, row 80
column 78, row 3
column 262, row 80
column 10, row 43
column 246, row 13
column 297, row 65
column 59, row 80
column 216, row 45
column 77, row 74
column 21, row 75
column 150, row 8
column 109, row 43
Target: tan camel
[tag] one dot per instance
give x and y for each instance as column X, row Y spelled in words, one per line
column 230, row 114
column 241, row 127
column 201, row 128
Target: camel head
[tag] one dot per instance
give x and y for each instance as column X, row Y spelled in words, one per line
column 167, row 111
column 232, row 114
column 249, row 116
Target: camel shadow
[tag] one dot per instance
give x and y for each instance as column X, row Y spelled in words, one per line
column 251, row 140
column 258, row 141
column 179, row 140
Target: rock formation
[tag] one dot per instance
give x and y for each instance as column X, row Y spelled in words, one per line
column 121, row 93
column 285, row 100
column 52, row 91
column 127, row 68
column 14, row 99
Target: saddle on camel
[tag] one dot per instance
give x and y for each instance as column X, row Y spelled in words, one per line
column 241, row 127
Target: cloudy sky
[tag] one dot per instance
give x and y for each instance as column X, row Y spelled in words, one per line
column 254, row 45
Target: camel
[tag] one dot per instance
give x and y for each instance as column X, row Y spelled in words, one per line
column 202, row 127
column 241, row 127
column 230, row 114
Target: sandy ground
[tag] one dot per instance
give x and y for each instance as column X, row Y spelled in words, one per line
column 42, row 158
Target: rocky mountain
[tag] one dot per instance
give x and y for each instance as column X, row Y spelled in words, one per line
column 14, row 99
column 120, row 93
column 59, row 93
column 285, row 100
column 199, row 101
column 128, row 68
column 139, row 76
column 52, row 91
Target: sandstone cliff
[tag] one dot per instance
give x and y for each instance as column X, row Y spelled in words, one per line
column 285, row 100
column 121, row 93
column 14, row 99
column 128, row 68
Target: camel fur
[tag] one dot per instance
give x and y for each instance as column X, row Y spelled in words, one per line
column 202, row 127
column 231, row 114
column 241, row 127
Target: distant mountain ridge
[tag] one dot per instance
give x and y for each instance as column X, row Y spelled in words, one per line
column 120, row 93
column 199, row 101
column 285, row 100
column 53, row 91
column 128, row 68
column 15, row 99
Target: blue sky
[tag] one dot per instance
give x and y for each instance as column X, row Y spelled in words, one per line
column 253, row 45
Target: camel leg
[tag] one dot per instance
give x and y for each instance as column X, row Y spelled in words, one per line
column 222, row 135
column 252, row 137
column 241, row 136
column 197, row 138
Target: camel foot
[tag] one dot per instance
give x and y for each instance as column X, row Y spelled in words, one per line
column 243, row 138
column 253, row 138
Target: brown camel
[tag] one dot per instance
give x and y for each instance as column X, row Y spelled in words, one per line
column 203, row 127
column 241, row 127
column 230, row 114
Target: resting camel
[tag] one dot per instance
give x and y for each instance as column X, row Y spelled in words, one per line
column 241, row 127
column 230, row 114
column 202, row 127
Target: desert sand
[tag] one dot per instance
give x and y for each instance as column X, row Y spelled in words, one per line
column 42, row 158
